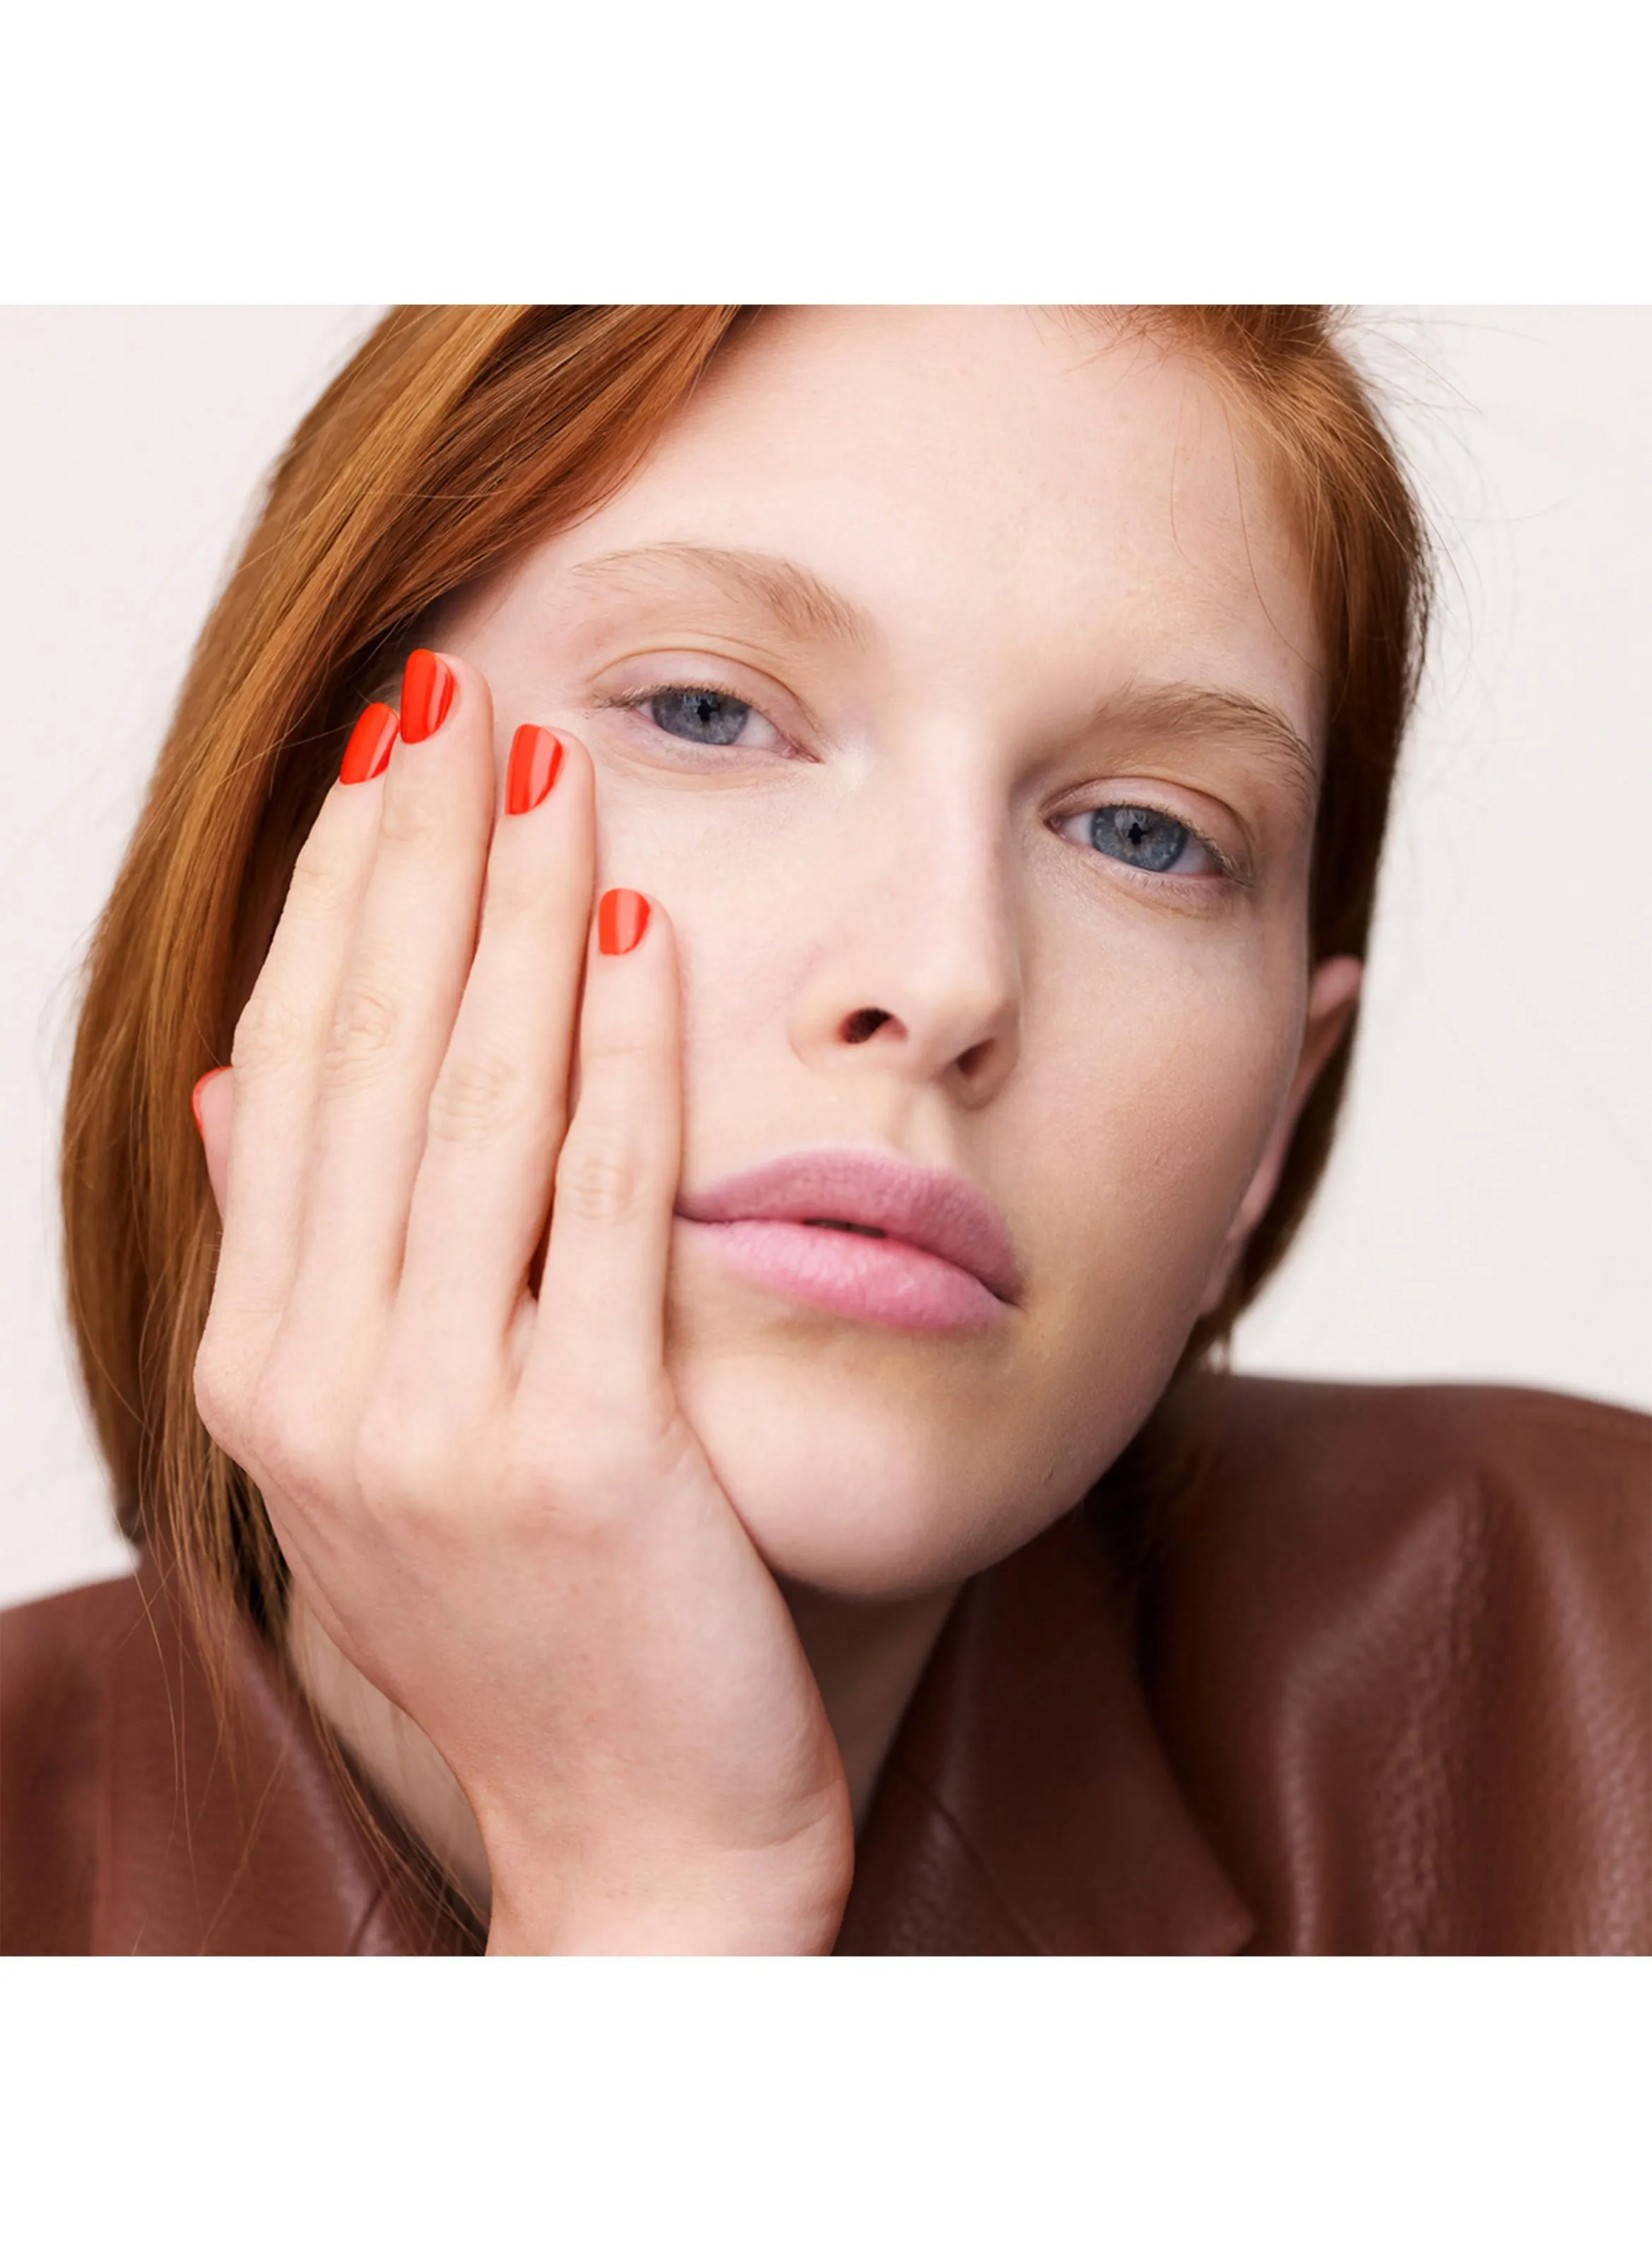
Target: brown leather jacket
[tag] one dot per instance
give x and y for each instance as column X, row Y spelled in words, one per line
column 1372, row 1677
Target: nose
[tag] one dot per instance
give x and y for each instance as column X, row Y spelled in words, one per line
column 918, row 974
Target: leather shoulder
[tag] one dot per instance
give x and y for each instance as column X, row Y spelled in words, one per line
column 1397, row 1639
column 55, row 1659
column 157, row 1802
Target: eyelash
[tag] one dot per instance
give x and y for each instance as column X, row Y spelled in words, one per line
column 641, row 699
column 637, row 701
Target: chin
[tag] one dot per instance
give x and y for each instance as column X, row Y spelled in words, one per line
column 874, row 1464
column 875, row 1499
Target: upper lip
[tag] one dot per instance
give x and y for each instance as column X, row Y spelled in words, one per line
column 932, row 1209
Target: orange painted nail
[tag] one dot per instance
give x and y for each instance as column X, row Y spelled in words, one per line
column 369, row 750
column 531, row 772
column 201, row 1083
column 621, row 921
column 426, row 693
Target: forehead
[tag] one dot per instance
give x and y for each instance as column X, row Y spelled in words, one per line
column 1003, row 480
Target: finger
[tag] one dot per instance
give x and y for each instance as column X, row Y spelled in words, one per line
column 400, row 991
column 260, row 1172
column 598, row 1341
column 499, row 1103
column 211, row 1103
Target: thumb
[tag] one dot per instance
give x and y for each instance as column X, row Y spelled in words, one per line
column 212, row 1102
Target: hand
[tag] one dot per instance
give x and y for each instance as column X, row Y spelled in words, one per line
column 488, row 1496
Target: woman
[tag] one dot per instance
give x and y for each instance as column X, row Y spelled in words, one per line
column 784, row 895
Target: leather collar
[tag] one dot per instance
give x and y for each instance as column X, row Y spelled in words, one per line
column 1027, row 1805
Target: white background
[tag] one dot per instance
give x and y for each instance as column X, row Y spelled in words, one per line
column 182, row 153
column 1486, row 1217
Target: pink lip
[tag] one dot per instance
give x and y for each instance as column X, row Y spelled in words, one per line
column 946, row 1261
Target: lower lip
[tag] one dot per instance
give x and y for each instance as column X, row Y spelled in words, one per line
column 887, row 1281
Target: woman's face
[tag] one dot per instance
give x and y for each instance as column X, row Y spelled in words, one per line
column 1006, row 699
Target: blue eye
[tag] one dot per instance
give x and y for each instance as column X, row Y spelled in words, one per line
column 710, row 718
column 1144, row 838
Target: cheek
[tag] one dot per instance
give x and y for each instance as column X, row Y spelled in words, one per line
column 1158, row 1113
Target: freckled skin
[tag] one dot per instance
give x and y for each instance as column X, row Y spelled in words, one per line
column 1033, row 516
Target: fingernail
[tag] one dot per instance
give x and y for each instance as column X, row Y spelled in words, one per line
column 426, row 693
column 371, row 743
column 621, row 921
column 531, row 772
column 201, row 1083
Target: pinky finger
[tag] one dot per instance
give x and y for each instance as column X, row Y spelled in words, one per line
column 599, row 1337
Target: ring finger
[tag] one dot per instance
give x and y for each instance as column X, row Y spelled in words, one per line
column 499, row 1108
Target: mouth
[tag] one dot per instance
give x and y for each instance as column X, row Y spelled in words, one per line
column 865, row 1233
column 855, row 1270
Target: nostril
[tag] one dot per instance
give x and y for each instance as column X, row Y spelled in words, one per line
column 864, row 1023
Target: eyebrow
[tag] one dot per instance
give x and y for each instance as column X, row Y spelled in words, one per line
column 1190, row 710
column 797, row 601
column 809, row 610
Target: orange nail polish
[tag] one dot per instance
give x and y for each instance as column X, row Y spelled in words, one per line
column 426, row 693
column 370, row 741
column 531, row 772
column 621, row 921
column 201, row 1083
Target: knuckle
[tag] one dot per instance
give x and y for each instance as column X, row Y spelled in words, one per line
column 219, row 1397
column 593, row 1450
column 627, row 1045
column 363, row 1029
column 476, row 1099
column 514, row 895
column 269, row 1035
column 409, row 820
column 579, row 1489
column 405, row 1448
column 601, row 1181
column 288, row 1433
column 286, row 1454
column 321, row 880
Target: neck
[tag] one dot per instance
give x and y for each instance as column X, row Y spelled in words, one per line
column 867, row 1658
